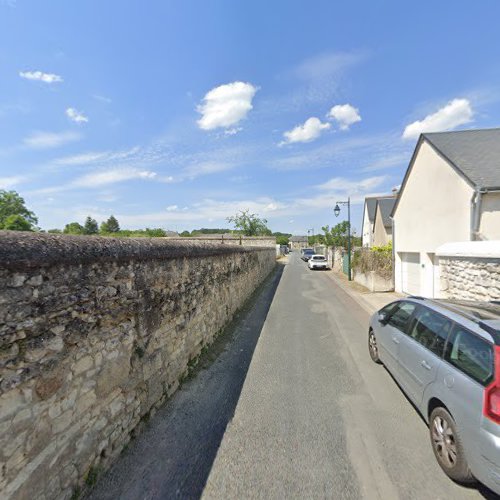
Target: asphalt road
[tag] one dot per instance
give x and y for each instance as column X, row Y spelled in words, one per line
column 292, row 407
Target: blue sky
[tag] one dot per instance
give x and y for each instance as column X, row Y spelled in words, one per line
column 177, row 114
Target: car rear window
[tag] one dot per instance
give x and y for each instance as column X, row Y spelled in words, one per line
column 319, row 258
column 471, row 355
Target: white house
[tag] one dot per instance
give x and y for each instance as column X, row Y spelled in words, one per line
column 450, row 193
column 369, row 212
column 382, row 224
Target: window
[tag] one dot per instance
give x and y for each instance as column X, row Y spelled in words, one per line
column 400, row 315
column 471, row 355
column 431, row 330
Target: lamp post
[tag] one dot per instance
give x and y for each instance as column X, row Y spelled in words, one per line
column 336, row 211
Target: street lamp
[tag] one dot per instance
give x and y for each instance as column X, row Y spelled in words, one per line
column 336, row 211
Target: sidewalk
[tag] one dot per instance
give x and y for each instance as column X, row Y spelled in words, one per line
column 370, row 301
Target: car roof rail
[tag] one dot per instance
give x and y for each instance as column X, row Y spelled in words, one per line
column 418, row 297
column 495, row 334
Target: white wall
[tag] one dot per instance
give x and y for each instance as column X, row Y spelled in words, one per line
column 434, row 208
column 367, row 229
column 490, row 216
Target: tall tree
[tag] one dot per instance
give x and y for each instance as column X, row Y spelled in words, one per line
column 17, row 223
column 73, row 228
column 91, row 226
column 110, row 226
column 11, row 203
column 250, row 224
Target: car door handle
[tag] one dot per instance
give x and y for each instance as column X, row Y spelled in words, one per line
column 395, row 340
column 426, row 365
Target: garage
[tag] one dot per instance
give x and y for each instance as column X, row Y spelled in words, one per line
column 410, row 273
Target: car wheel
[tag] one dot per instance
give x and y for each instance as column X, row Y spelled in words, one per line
column 447, row 446
column 372, row 347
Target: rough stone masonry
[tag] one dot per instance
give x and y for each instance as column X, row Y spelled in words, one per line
column 94, row 334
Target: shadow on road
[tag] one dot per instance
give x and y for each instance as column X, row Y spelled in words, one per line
column 173, row 456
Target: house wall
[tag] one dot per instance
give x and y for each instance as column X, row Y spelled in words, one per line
column 367, row 229
column 381, row 235
column 490, row 216
column 434, row 208
column 95, row 333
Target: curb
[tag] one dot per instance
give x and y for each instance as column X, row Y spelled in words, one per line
column 354, row 295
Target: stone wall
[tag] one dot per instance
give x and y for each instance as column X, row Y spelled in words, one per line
column 230, row 239
column 470, row 278
column 95, row 333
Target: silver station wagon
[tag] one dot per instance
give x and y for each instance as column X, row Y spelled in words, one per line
column 445, row 355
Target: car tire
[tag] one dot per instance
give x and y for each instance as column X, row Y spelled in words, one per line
column 372, row 347
column 447, row 446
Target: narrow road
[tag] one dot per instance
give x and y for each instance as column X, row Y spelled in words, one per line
column 316, row 418
column 293, row 407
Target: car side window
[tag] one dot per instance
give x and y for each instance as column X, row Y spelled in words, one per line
column 471, row 355
column 400, row 315
column 431, row 330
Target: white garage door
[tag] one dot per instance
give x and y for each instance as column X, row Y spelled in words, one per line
column 410, row 267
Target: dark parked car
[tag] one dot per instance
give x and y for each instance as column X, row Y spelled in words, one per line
column 307, row 253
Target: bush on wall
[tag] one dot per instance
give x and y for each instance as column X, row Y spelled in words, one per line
column 378, row 259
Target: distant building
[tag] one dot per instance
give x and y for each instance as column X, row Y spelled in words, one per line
column 298, row 242
column 382, row 224
column 369, row 213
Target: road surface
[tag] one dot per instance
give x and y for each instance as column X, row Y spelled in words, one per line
column 292, row 408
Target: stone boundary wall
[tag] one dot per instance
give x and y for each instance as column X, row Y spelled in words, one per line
column 95, row 333
column 470, row 278
column 229, row 239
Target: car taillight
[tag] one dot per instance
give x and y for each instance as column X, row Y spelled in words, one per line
column 492, row 391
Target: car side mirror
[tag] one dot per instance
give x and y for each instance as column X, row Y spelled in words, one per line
column 383, row 318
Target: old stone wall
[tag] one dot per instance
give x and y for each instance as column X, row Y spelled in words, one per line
column 230, row 239
column 470, row 278
column 95, row 333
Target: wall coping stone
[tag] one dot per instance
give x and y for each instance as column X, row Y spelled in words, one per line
column 27, row 250
column 485, row 249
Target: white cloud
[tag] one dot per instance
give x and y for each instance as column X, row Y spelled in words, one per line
column 226, row 105
column 206, row 168
column 345, row 115
column 172, row 208
column 457, row 112
column 40, row 76
column 94, row 157
column 8, row 182
column 76, row 116
column 347, row 185
column 330, row 64
column 96, row 179
column 307, row 132
column 46, row 140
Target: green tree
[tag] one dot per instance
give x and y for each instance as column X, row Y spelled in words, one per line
column 54, row 231
column 250, row 224
column 337, row 235
column 185, row 234
column 110, row 226
column 17, row 222
column 282, row 240
column 91, row 226
column 73, row 228
column 13, row 204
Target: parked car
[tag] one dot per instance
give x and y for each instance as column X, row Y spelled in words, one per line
column 445, row 355
column 307, row 253
column 317, row 262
